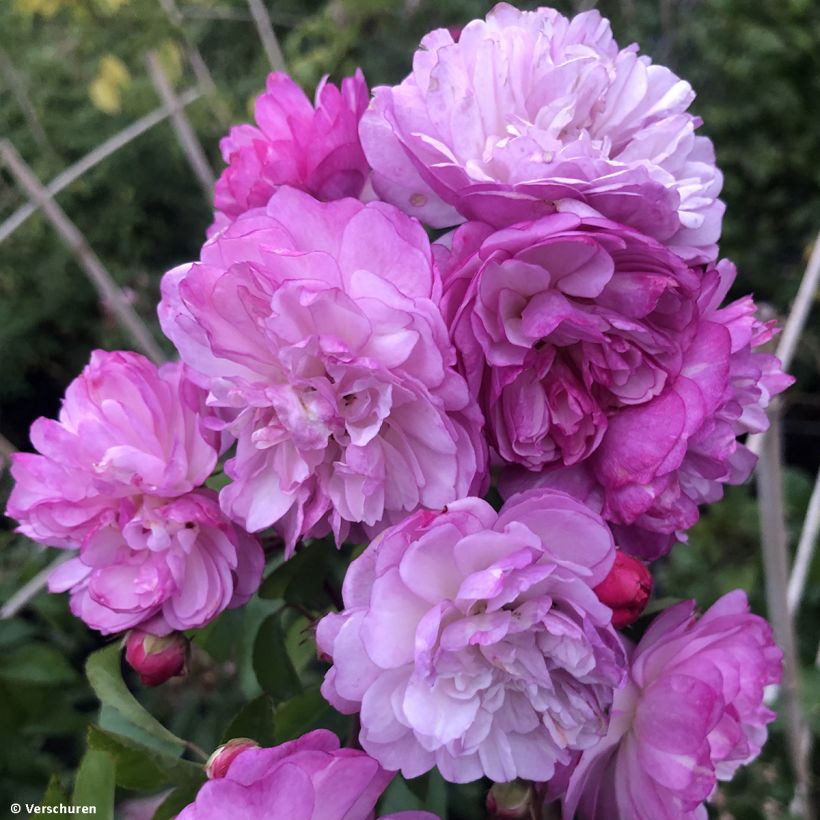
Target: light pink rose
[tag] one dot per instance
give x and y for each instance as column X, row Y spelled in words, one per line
column 472, row 640
column 529, row 108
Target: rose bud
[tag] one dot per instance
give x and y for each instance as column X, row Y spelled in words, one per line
column 625, row 590
column 155, row 659
column 509, row 800
column 220, row 761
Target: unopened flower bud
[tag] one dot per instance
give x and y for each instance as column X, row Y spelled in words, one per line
column 220, row 761
column 155, row 659
column 509, row 800
column 625, row 590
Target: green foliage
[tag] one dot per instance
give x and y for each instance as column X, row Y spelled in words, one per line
column 94, row 785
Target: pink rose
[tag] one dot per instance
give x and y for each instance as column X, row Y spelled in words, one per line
column 562, row 322
column 309, row 778
column 659, row 460
column 294, row 144
column 691, row 714
column 118, row 477
column 316, row 328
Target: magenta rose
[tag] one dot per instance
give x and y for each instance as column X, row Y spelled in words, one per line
column 309, row 778
column 562, row 322
column 293, row 143
column 473, row 641
column 659, row 460
column 529, row 108
column 691, row 714
column 316, row 328
column 118, row 476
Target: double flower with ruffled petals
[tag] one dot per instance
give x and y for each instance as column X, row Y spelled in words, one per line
column 316, row 330
column 691, row 714
column 473, row 641
column 529, row 108
column 119, row 476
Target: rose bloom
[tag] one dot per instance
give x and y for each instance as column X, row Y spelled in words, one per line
column 118, row 477
column 316, row 326
column 309, row 778
column 691, row 714
column 529, row 108
column 562, row 322
column 293, row 143
column 659, row 460
column 472, row 640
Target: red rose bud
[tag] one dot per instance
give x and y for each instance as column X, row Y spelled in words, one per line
column 625, row 590
column 509, row 800
column 220, row 761
column 156, row 659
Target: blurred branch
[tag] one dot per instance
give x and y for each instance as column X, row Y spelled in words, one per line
column 775, row 564
column 18, row 88
column 795, row 323
column 95, row 157
column 805, row 549
column 6, row 447
column 73, row 239
column 32, row 587
column 188, row 140
column 201, row 71
column 267, row 35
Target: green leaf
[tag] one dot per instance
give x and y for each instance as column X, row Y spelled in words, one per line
column 660, row 604
column 37, row 663
column 14, row 631
column 254, row 720
column 399, row 797
column 300, row 580
column 104, row 674
column 308, row 710
column 55, row 793
column 176, row 801
column 112, row 721
column 271, row 662
column 94, row 784
column 140, row 768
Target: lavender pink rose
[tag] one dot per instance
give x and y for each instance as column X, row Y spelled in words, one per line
column 473, row 641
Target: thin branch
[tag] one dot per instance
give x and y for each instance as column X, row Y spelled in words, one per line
column 95, row 157
column 185, row 133
column 18, row 88
column 267, row 35
column 775, row 563
column 73, row 239
column 32, row 587
column 6, row 447
column 805, row 549
column 793, row 328
column 801, row 308
column 202, row 73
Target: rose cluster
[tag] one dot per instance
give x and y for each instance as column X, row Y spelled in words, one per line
column 501, row 273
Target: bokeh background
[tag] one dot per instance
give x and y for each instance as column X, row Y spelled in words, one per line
column 73, row 73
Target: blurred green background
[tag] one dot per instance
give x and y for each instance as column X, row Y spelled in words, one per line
column 72, row 73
